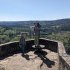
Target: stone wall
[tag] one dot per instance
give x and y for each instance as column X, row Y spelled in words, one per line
column 8, row 48
column 56, row 46
column 49, row 44
column 64, row 59
column 13, row 47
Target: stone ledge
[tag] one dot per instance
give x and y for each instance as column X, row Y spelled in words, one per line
column 61, row 50
column 63, row 57
column 13, row 42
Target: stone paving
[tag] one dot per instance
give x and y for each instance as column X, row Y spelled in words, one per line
column 33, row 60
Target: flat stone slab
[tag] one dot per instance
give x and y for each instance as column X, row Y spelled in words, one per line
column 44, row 60
column 40, row 46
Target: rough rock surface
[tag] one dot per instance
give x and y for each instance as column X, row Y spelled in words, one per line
column 33, row 60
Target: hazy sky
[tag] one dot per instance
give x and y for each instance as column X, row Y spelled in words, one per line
column 16, row 10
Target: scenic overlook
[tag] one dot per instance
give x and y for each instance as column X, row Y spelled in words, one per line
column 34, row 34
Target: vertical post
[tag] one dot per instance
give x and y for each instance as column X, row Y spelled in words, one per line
column 30, row 33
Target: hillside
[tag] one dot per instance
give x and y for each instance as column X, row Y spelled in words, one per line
column 60, row 21
column 55, row 30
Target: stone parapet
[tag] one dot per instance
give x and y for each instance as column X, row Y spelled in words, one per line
column 53, row 45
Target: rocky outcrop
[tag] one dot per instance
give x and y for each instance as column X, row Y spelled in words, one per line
column 33, row 60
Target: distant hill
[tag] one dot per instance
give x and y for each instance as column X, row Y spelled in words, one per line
column 54, row 22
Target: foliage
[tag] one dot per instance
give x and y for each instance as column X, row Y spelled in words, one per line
column 57, row 30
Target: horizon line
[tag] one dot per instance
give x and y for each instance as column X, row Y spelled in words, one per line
column 31, row 20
